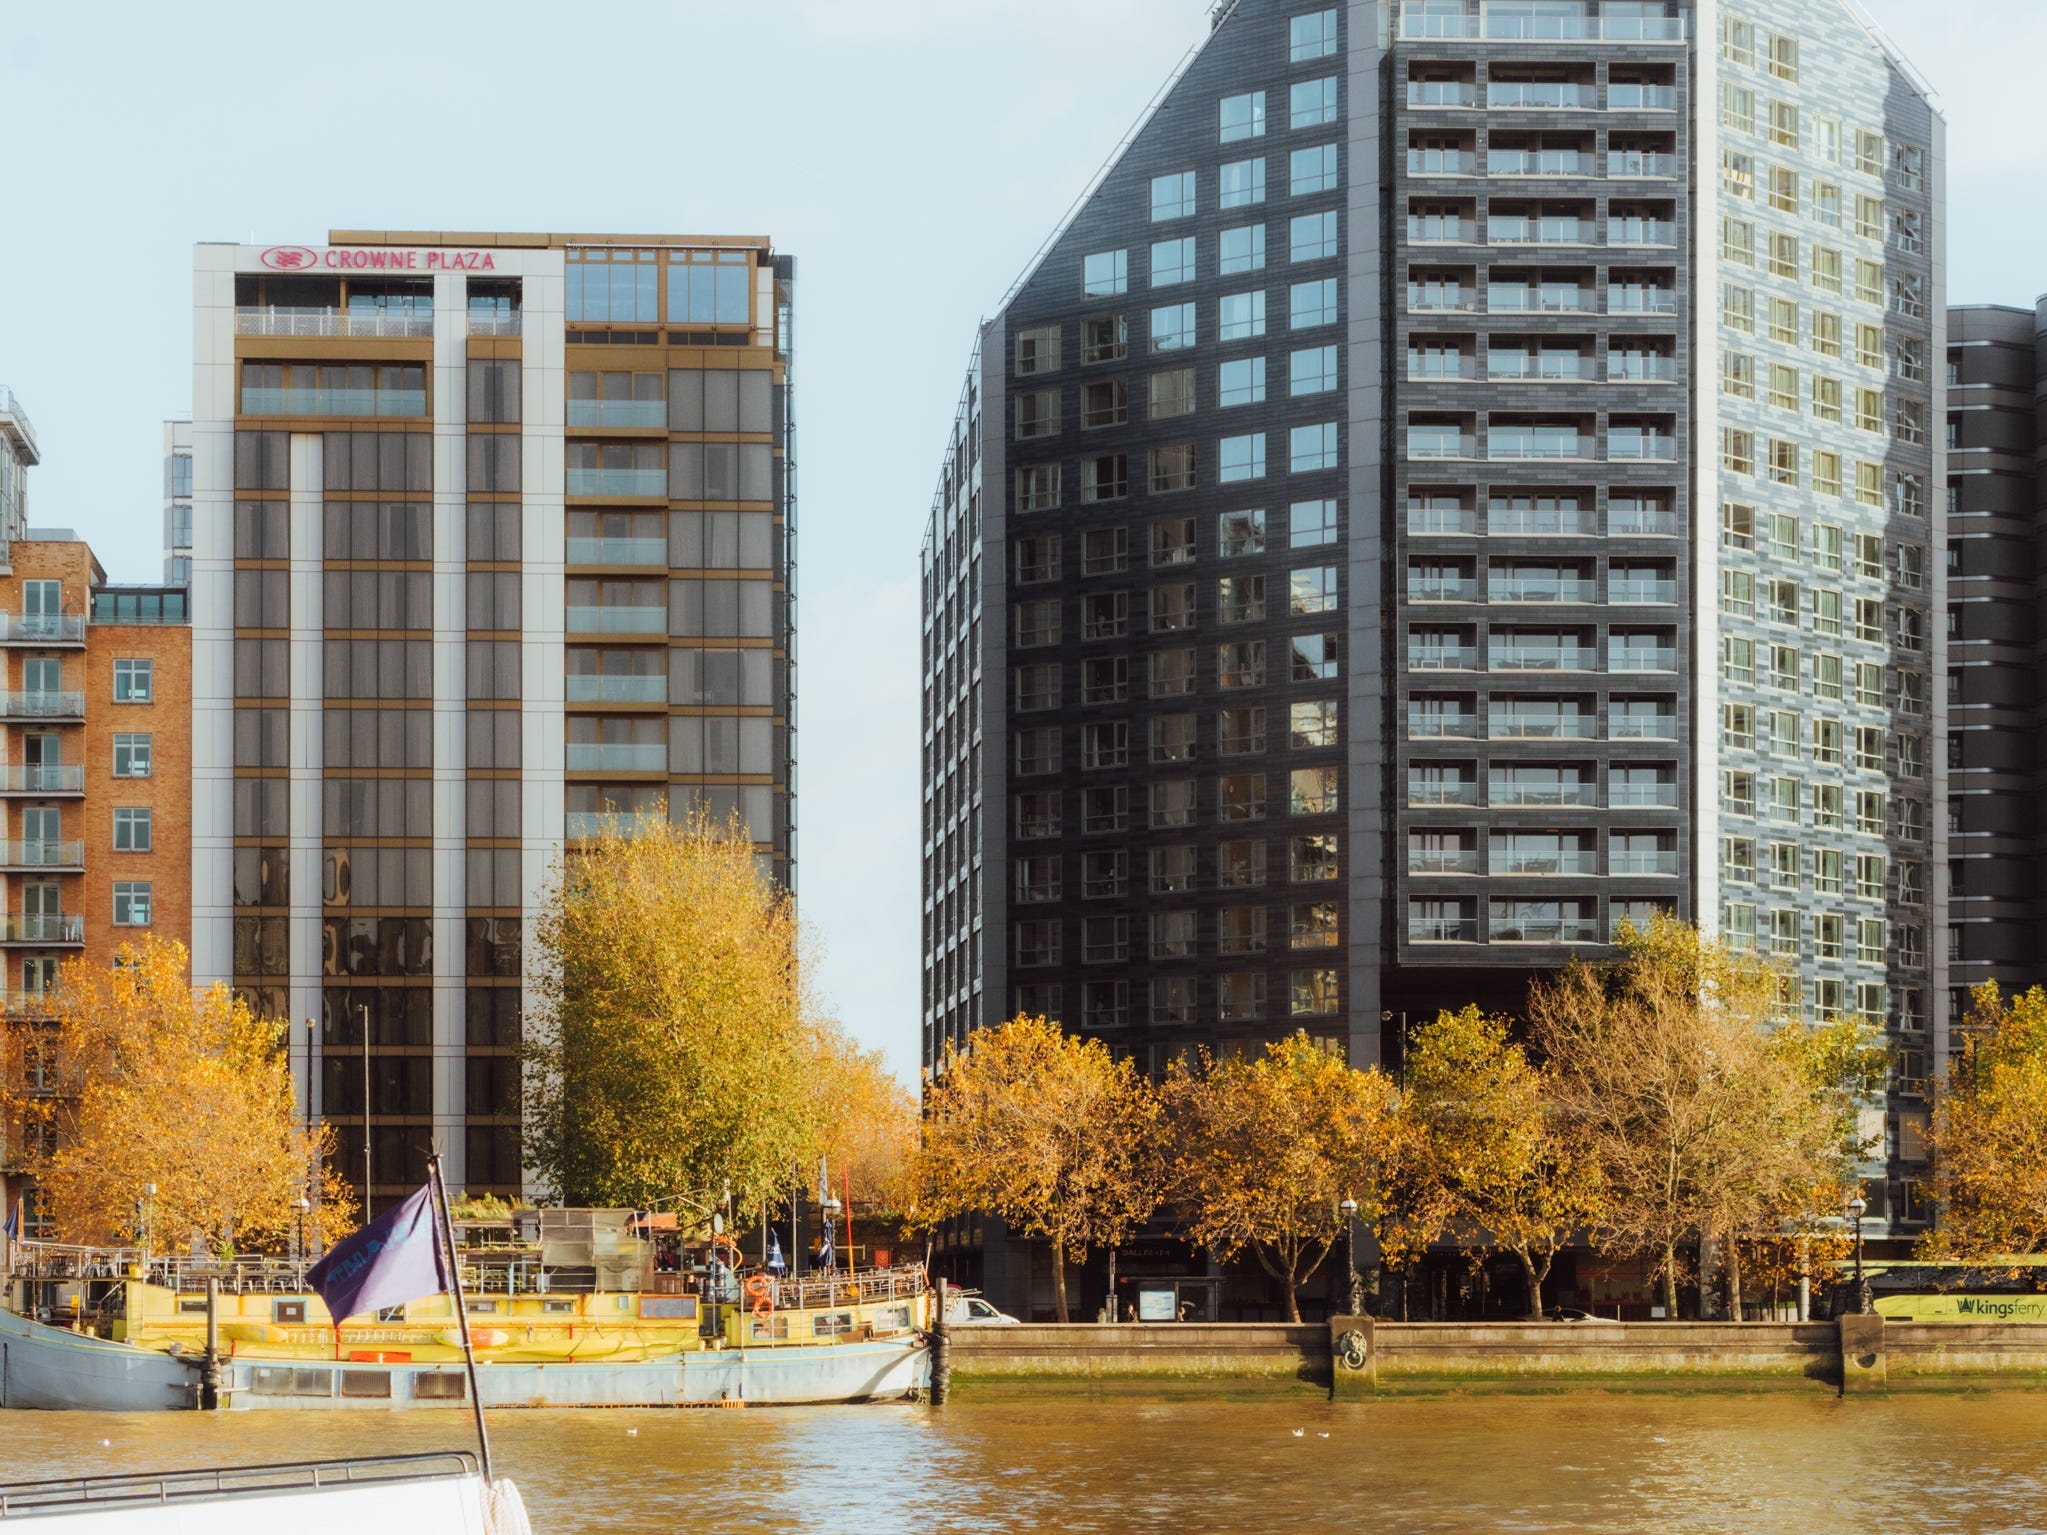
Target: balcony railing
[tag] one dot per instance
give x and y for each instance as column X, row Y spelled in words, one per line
column 1640, row 232
column 42, row 927
column 1420, row 793
column 1641, row 521
column 41, row 628
column 42, row 778
column 1441, row 445
column 1442, row 520
column 618, row 551
column 1642, row 727
column 1627, row 96
column 617, row 482
column 1640, row 162
column 1540, row 522
column 1442, row 930
column 1519, row 25
column 41, row 855
column 1441, row 93
column 1512, row 229
column 1433, row 589
column 1638, row 448
column 27, row 1004
column 281, row 320
column 1625, row 589
column 1625, row 300
column 1427, row 365
column 1427, row 229
column 617, row 757
column 1538, row 162
column 620, row 413
column 1656, row 862
column 620, row 620
column 1568, row 930
column 1640, row 658
column 1558, row 94
column 1553, row 727
column 1642, row 796
column 588, row 689
column 1444, row 658
column 1512, row 444
column 589, row 823
column 1540, row 658
column 1440, row 300
column 1502, row 588
column 261, row 400
column 1512, row 298
column 1506, row 792
column 1523, row 367
column 1442, row 860
column 15, row 425
column 496, row 324
column 1442, row 162
column 1641, row 368
column 40, row 704
column 1545, row 863
column 1442, row 727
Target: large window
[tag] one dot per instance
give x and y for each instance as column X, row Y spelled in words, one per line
column 133, row 680
column 613, row 287
column 1311, row 36
column 1105, row 273
column 1312, row 236
column 1172, row 197
column 132, row 829
column 132, row 755
column 712, row 287
column 1172, row 327
column 1243, row 117
column 1241, row 183
column 1172, row 261
column 1311, row 103
column 131, row 903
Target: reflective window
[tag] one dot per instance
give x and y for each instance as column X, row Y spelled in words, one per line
column 1311, row 103
column 1172, row 261
column 1243, row 117
column 1241, row 250
column 1312, row 236
column 1241, row 183
column 1311, row 36
column 710, row 287
column 1172, row 197
column 1105, row 273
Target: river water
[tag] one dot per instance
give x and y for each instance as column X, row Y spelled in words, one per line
column 1586, row 1462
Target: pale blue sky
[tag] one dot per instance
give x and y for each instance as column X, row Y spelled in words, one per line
column 910, row 153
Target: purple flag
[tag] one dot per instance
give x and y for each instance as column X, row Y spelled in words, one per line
column 392, row 1260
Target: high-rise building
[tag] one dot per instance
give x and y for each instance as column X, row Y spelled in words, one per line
column 1994, row 447
column 177, row 503
column 1460, row 479
column 492, row 537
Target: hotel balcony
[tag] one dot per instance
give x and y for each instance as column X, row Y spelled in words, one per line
column 629, row 414
column 42, row 778
column 16, row 427
column 649, row 621
column 44, row 929
column 61, row 857
column 588, row 689
column 617, row 757
column 42, row 629
column 618, row 551
column 42, row 704
column 1523, row 24
column 281, row 320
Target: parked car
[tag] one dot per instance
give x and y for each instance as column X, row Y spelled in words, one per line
column 1566, row 1314
column 972, row 1311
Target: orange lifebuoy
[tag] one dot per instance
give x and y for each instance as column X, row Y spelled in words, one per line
column 761, row 1290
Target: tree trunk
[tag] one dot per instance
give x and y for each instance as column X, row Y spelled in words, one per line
column 1670, row 1281
column 1534, row 1286
column 1293, row 1299
column 1059, row 1277
column 1733, row 1279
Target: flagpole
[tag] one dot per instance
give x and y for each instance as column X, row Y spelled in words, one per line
column 446, row 1232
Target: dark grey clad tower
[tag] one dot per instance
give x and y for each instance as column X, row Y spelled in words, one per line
column 1459, row 481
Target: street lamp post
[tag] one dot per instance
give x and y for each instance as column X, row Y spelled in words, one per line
column 299, row 1253
column 1855, row 1208
column 1352, row 1290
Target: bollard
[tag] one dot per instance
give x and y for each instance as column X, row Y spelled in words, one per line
column 941, row 1352
column 1864, row 1367
column 209, row 1369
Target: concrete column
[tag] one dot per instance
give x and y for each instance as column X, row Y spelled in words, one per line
column 1353, row 1358
column 1864, row 1369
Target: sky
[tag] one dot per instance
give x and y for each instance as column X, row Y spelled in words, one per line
column 912, row 155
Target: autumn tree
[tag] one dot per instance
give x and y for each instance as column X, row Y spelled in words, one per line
column 666, row 1053
column 864, row 1117
column 1487, row 1158
column 1265, row 1150
column 1704, row 1104
column 156, row 1083
column 1048, row 1131
column 1989, row 1132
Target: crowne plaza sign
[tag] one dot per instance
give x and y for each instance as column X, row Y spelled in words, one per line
column 376, row 258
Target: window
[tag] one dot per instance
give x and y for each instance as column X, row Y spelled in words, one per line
column 1738, row 174
column 1037, row 351
column 1240, row 184
column 1105, row 273
column 1738, row 308
column 1737, row 451
column 1104, row 477
column 1037, row 414
column 1311, row 36
column 1738, row 241
column 1311, row 170
column 1313, row 658
column 1105, row 403
column 1241, row 458
column 1783, row 189
column 1243, row 117
column 1869, row 289
column 1240, row 664
column 1784, row 257
column 1311, row 303
column 1310, row 523
column 1037, row 488
column 132, row 755
column 1241, row 382
column 1738, row 593
column 1784, row 393
column 1826, row 269
column 1172, row 261
column 1737, row 526
column 1826, row 398
column 1172, row 393
column 1172, row 328
column 1172, row 468
column 1239, row 250
column 131, row 903
column 1312, row 447
column 1311, row 236
column 1738, row 375
column 1240, row 533
column 1311, row 370
column 1238, row 316
column 1784, row 321
column 1784, row 123
column 1312, row 589
column 1738, row 41
column 134, row 680
column 1106, row 338
column 1172, row 197
column 1311, row 103
column 132, row 829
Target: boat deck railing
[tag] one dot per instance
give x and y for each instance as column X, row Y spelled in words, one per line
column 59, row 1260
column 73, row 1494
column 823, row 1291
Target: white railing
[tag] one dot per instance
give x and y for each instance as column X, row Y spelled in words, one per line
column 282, row 320
column 42, row 778
column 41, row 628
column 496, row 324
column 43, row 704
column 42, row 855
